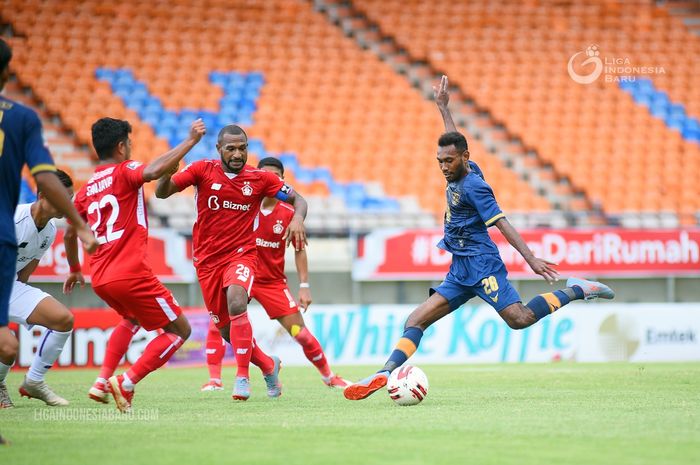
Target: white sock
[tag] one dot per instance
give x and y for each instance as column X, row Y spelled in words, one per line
column 3, row 371
column 127, row 384
column 50, row 348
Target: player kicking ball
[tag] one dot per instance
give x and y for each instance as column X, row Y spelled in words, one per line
column 29, row 306
column 476, row 268
column 271, row 291
column 229, row 194
column 113, row 203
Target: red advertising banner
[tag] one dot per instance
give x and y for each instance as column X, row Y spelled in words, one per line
column 92, row 328
column 412, row 254
column 167, row 255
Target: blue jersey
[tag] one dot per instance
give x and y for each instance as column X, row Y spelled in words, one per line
column 20, row 142
column 471, row 209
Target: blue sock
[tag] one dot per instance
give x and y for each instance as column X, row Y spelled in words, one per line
column 544, row 304
column 407, row 346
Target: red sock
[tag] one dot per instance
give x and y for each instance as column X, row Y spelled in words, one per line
column 313, row 351
column 216, row 348
column 261, row 360
column 117, row 345
column 157, row 352
column 242, row 342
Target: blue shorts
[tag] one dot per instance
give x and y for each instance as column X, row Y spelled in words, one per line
column 484, row 276
column 8, row 262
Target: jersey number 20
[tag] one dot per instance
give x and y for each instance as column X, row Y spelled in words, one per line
column 96, row 207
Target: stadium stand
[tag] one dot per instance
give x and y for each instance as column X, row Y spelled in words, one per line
column 356, row 136
column 346, row 124
column 510, row 58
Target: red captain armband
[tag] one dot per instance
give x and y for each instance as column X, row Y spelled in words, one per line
column 75, row 268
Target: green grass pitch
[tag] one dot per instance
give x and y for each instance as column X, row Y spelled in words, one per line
column 494, row 414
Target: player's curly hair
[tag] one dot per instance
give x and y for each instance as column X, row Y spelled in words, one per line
column 271, row 161
column 106, row 135
column 453, row 138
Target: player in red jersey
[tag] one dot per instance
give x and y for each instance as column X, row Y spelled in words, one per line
column 271, row 291
column 229, row 193
column 114, row 205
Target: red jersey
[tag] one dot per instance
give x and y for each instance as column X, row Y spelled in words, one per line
column 227, row 206
column 113, row 204
column 270, row 242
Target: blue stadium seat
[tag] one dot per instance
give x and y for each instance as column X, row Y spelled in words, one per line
column 241, row 92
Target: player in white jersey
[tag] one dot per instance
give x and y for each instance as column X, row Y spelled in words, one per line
column 30, row 306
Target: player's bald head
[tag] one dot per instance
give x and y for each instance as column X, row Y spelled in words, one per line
column 232, row 129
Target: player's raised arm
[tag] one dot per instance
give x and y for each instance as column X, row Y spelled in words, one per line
column 442, row 99
column 540, row 266
column 54, row 190
column 295, row 231
column 169, row 161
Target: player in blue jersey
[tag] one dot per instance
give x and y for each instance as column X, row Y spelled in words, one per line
column 21, row 142
column 477, row 268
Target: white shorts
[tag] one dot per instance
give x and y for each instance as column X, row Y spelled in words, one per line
column 23, row 301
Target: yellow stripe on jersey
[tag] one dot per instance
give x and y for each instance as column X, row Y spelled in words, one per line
column 42, row 167
column 495, row 218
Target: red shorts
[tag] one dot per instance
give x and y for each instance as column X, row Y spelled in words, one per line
column 144, row 300
column 240, row 270
column 276, row 298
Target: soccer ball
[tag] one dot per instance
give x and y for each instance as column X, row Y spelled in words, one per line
column 407, row 385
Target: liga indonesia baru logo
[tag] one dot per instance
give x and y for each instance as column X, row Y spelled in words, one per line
column 613, row 69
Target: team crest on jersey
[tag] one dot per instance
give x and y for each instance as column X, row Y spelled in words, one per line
column 246, row 189
column 133, row 165
column 454, row 196
column 278, row 228
column 216, row 186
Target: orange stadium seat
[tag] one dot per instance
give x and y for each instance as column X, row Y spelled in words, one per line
column 513, row 62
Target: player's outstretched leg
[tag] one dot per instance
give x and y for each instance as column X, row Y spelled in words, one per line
column 117, row 345
column 426, row 314
column 156, row 354
column 548, row 303
column 215, row 349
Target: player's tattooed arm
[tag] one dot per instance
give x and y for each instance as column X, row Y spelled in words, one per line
column 540, row 266
column 442, row 99
column 296, row 230
column 26, row 272
column 170, row 159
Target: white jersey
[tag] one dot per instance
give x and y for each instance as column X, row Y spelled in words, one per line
column 31, row 243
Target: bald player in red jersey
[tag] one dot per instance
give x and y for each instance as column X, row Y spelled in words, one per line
column 271, row 291
column 229, row 194
column 113, row 204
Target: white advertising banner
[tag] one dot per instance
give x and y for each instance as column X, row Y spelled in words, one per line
column 476, row 334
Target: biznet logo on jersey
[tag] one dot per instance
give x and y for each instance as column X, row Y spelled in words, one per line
column 213, row 204
column 263, row 243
